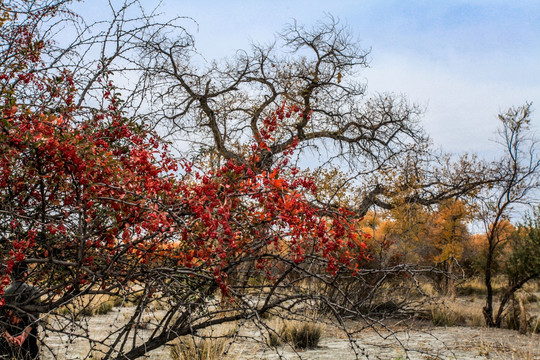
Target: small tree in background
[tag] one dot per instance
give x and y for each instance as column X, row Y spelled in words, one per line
column 519, row 180
column 523, row 264
column 450, row 237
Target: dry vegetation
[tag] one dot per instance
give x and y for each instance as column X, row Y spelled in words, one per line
column 455, row 326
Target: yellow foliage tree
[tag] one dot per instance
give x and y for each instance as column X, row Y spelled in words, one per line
column 449, row 236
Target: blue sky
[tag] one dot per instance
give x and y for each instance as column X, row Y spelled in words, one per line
column 465, row 61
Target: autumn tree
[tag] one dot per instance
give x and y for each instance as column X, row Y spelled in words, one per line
column 450, row 236
column 81, row 198
column 95, row 205
column 411, row 231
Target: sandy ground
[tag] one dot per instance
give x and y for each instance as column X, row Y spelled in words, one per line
column 428, row 343
column 435, row 343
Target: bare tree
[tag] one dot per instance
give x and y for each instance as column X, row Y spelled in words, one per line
column 219, row 106
column 519, row 181
column 317, row 70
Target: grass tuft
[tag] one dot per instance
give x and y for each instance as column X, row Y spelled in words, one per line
column 442, row 315
column 199, row 349
column 300, row 335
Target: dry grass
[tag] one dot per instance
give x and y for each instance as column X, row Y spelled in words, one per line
column 467, row 311
column 456, row 314
column 90, row 306
column 535, row 325
column 496, row 349
column 471, row 286
column 300, row 335
column 442, row 315
column 213, row 344
column 199, row 349
column 476, row 286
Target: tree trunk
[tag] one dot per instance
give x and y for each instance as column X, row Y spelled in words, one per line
column 510, row 291
column 523, row 325
column 488, row 307
column 451, row 284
